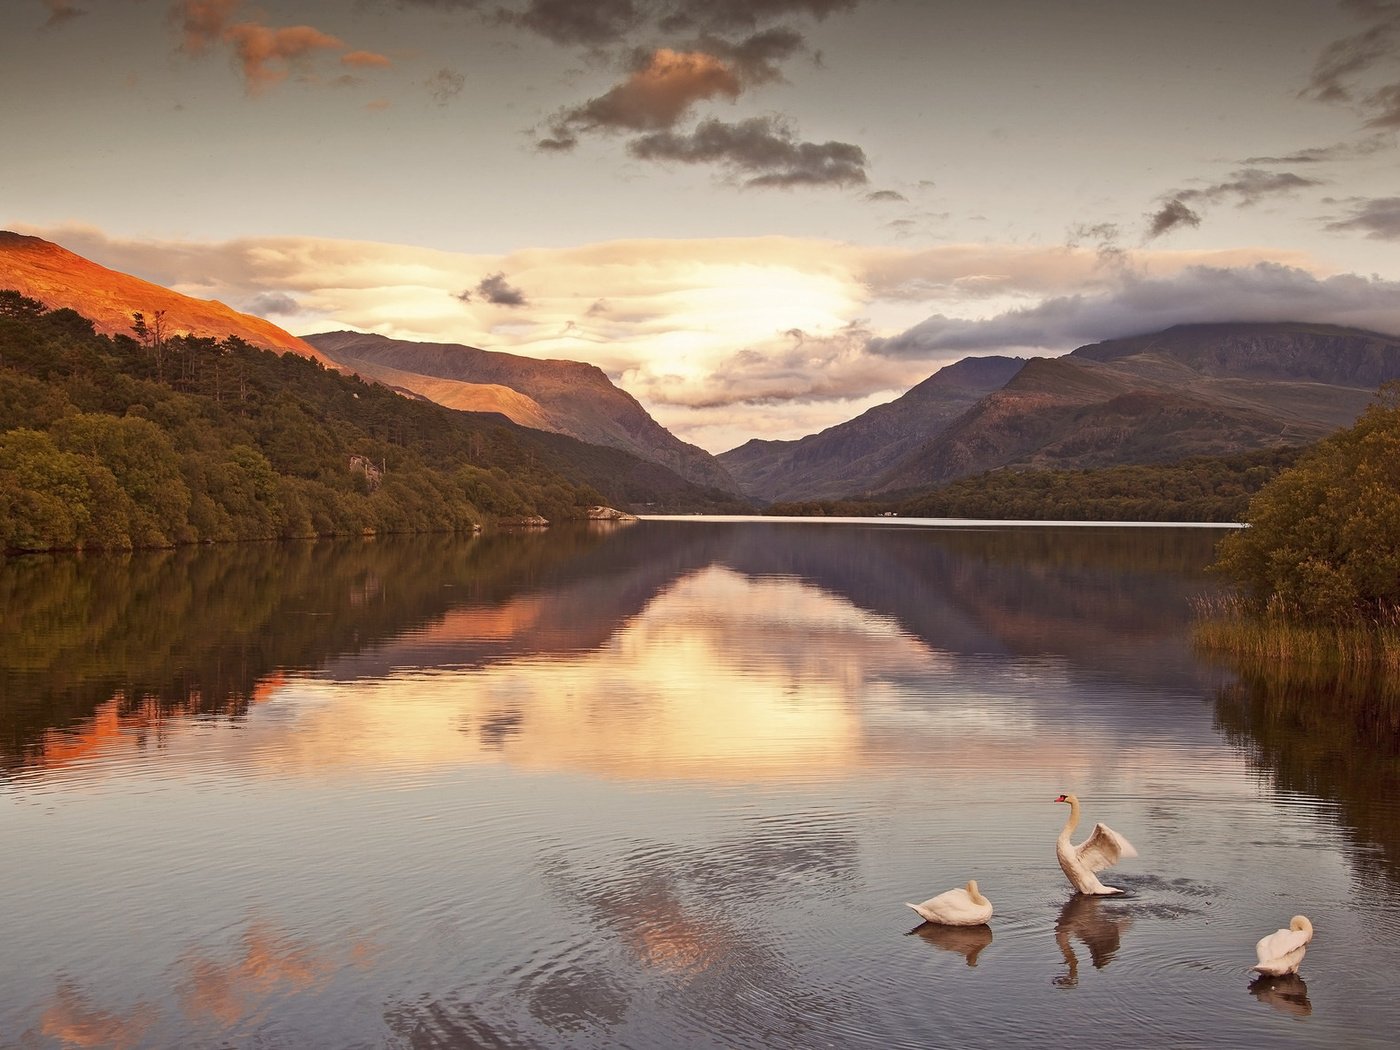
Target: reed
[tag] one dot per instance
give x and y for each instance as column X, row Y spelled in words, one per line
column 1272, row 633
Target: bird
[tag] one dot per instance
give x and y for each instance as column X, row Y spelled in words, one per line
column 1281, row 951
column 959, row 907
column 1103, row 849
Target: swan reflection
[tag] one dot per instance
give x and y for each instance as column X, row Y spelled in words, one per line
column 1099, row 927
column 1287, row 994
column 967, row 941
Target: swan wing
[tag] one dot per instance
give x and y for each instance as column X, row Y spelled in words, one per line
column 1103, row 849
column 1280, row 944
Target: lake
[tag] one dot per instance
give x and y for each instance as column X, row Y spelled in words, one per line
column 670, row 784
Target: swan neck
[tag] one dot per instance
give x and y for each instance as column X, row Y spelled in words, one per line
column 1073, row 819
column 975, row 893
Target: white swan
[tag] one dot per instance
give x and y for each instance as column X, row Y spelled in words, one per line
column 960, row 907
column 1281, row 951
column 1103, row 849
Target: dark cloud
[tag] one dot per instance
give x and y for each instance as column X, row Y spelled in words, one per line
column 495, row 289
column 885, row 195
column 1171, row 215
column 755, row 58
column 731, row 15
column 1249, row 186
column 1243, row 188
column 1340, row 74
column 1338, row 151
column 762, row 148
column 1378, row 218
column 445, row 85
column 659, row 92
column 61, row 11
column 1264, row 292
column 590, row 22
column 266, row 304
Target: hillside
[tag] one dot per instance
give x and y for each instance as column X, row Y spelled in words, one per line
column 106, row 444
column 58, row 278
column 844, row 459
column 1193, row 390
column 568, row 397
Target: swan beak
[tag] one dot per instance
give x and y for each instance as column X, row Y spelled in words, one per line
column 1060, row 799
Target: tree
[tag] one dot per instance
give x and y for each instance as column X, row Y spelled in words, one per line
column 1324, row 537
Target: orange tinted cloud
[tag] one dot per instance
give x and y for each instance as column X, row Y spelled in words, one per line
column 657, row 95
column 365, row 60
column 202, row 22
column 266, row 53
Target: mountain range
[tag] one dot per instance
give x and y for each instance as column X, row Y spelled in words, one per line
column 1191, row 390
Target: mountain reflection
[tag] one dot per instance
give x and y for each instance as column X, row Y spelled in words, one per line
column 638, row 652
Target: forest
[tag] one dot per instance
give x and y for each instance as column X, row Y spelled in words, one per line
column 1200, row 488
column 149, row 440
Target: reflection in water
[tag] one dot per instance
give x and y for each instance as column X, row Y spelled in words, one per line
column 71, row 1018
column 967, row 941
column 1096, row 925
column 742, row 624
column 1287, row 994
column 1333, row 735
column 650, row 788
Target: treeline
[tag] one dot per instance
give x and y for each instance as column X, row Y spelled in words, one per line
column 120, row 442
column 1201, row 488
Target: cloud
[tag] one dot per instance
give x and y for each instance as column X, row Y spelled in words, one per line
column 755, row 58
column 742, row 14
column 1263, row 292
column 764, row 149
column 1171, row 215
column 270, row 304
column 568, row 22
column 1342, row 73
column 1378, row 217
column 494, row 289
column 61, row 11
column 1243, row 188
column 265, row 54
column 1364, row 147
column 365, row 60
column 886, row 195
column 657, row 94
column 445, row 85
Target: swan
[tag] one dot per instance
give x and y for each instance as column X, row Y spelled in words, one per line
column 1103, row 849
column 1281, row 951
column 960, row 907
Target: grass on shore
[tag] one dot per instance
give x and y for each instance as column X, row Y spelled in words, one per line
column 1273, row 634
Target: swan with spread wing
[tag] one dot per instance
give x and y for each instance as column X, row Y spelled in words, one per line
column 1102, row 849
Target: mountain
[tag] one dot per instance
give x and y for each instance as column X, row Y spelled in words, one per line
column 1212, row 389
column 60, row 279
column 845, row 459
column 567, row 397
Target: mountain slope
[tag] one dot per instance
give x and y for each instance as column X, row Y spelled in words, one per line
column 1190, row 390
column 60, row 279
column 847, row 458
column 574, row 398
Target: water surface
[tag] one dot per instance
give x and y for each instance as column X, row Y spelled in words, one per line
column 669, row 785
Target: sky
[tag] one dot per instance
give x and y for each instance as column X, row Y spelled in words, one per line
column 759, row 217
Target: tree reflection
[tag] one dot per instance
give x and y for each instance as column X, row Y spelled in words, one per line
column 1327, row 734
